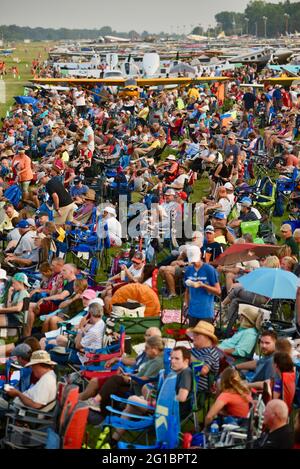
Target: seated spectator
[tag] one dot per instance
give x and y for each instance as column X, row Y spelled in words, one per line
column 221, row 203
column 247, row 214
column 262, row 368
column 78, row 190
column 93, row 386
column 42, row 394
column 223, row 233
column 84, row 213
column 51, row 303
column 180, row 358
column 12, row 314
column 287, row 235
column 22, row 354
column 109, row 226
column 91, row 334
column 283, row 386
column 205, row 350
column 288, row 263
column 25, row 244
column 68, row 308
column 277, row 434
column 122, row 383
column 133, row 274
column 242, row 343
column 10, row 214
column 234, row 398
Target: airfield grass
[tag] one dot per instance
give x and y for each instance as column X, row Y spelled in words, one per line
column 15, row 86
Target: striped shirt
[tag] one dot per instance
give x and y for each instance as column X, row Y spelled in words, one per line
column 211, row 358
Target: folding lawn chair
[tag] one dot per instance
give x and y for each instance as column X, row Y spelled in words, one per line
column 165, row 419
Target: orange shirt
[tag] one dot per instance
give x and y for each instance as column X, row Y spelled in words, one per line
column 23, row 169
column 235, row 405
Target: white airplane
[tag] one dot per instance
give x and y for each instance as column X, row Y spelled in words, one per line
column 115, row 39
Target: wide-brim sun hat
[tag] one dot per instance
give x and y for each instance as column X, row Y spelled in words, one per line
column 204, row 328
column 40, row 357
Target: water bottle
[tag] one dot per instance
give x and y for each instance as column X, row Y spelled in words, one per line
column 214, row 434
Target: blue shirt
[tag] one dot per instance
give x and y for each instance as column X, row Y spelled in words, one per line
column 243, row 342
column 201, row 302
column 78, row 191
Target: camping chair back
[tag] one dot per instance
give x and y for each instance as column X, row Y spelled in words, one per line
column 73, row 433
column 167, row 414
column 69, row 401
column 297, row 390
column 102, row 355
column 250, row 227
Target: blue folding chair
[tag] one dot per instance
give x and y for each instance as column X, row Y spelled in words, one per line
column 165, row 419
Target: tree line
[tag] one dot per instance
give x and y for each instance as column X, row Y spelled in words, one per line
column 261, row 19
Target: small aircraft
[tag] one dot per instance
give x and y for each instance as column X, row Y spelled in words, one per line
column 7, row 52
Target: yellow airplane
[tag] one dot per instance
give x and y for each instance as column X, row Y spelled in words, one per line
column 121, row 81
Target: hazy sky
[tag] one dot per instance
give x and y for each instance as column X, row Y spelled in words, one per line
column 121, row 15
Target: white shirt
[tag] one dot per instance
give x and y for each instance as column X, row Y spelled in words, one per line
column 89, row 131
column 93, row 338
column 26, row 244
column 43, row 392
column 79, row 98
column 114, row 230
column 226, row 206
column 179, row 181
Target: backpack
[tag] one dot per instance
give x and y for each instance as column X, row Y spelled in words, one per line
column 13, row 194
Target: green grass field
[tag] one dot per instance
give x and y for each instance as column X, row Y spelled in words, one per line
column 25, row 53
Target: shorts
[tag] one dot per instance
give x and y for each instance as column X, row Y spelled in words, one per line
column 11, row 321
column 47, row 307
column 194, row 321
column 25, row 185
column 66, row 214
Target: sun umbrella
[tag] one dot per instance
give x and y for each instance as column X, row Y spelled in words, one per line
column 272, row 283
column 245, row 252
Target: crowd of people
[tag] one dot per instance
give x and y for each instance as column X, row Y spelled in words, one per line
column 67, row 158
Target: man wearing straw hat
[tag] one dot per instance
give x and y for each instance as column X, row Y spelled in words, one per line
column 43, row 392
column 205, row 350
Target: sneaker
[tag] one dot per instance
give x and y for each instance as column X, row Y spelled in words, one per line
column 171, row 296
column 93, row 404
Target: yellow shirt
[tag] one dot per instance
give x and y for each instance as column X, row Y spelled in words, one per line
column 193, row 93
column 7, row 224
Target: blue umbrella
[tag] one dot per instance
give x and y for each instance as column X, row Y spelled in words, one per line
column 272, row 283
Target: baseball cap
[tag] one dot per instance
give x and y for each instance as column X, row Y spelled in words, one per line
column 77, row 180
column 40, row 176
column 209, row 229
column 31, row 221
column 21, row 277
column 193, row 254
column 3, row 274
column 170, row 192
column 89, row 294
column 219, row 215
column 246, row 202
column 23, row 224
column 22, row 350
column 229, row 186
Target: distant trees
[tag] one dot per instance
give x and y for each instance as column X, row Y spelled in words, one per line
column 18, row 33
column 262, row 18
